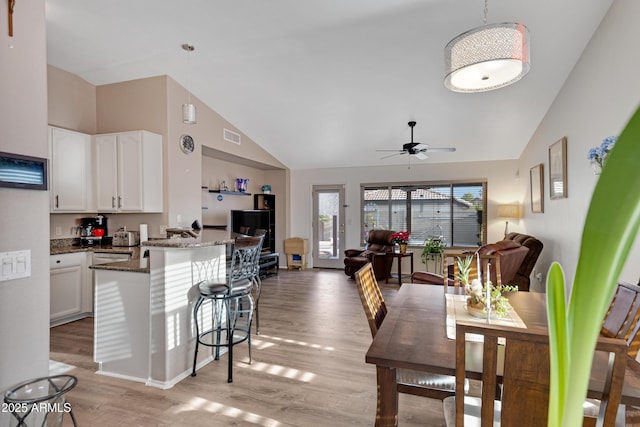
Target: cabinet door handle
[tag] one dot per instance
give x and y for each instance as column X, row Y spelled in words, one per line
column 119, row 202
column 113, row 202
column 58, row 261
column 57, row 205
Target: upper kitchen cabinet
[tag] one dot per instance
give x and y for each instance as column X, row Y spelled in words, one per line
column 70, row 176
column 128, row 172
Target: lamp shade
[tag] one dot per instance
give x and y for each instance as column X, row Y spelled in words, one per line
column 487, row 57
column 188, row 113
column 509, row 211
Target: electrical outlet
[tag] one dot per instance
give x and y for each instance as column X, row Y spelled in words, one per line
column 163, row 230
column 58, row 231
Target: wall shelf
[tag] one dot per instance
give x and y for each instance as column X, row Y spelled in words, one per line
column 231, row 193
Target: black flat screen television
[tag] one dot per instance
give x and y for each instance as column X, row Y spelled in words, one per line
column 20, row 171
column 246, row 222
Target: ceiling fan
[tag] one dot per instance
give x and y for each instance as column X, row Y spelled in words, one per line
column 417, row 149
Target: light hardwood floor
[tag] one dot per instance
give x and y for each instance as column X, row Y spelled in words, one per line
column 308, row 368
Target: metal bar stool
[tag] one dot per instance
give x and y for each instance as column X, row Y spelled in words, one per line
column 231, row 302
column 41, row 396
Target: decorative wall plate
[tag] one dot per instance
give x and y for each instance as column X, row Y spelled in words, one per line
column 187, row 145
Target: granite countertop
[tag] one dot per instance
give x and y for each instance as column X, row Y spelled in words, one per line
column 140, row 265
column 67, row 246
column 212, row 238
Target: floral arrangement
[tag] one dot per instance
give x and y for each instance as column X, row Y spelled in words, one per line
column 400, row 237
column 477, row 296
column 477, row 292
column 598, row 155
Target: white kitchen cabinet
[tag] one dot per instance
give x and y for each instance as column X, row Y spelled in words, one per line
column 71, row 288
column 128, row 172
column 70, row 171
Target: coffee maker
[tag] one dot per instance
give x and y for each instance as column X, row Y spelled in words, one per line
column 92, row 230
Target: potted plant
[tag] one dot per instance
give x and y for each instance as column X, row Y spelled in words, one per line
column 432, row 254
column 401, row 238
column 432, row 249
column 607, row 237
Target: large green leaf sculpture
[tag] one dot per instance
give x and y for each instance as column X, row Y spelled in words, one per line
column 609, row 231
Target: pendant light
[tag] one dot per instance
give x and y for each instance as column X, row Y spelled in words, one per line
column 188, row 109
column 487, row 57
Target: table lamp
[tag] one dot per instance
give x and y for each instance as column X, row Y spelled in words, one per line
column 510, row 211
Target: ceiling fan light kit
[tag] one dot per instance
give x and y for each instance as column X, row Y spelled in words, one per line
column 488, row 57
column 416, row 149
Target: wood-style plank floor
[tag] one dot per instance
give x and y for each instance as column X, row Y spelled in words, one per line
column 308, row 368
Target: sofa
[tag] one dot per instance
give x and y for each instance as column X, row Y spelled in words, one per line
column 510, row 254
column 521, row 278
column 378, row 244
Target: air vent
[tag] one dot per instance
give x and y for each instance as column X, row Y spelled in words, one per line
column 231, row 136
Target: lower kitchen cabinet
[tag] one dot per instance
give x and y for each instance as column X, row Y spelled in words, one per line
column 71, row 288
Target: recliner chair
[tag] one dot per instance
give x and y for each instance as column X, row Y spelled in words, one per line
column 510, row 255
column 521, row 278
column 378, row 244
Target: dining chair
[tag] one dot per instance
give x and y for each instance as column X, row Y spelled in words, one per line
column 411, row 382
column 231, row 302
column 621, row 320
column 521, row 358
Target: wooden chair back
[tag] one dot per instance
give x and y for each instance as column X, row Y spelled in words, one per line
column 523, row 363
column 622, row 318
column 371, row 297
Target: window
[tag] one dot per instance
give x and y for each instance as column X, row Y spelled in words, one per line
column 454, row 212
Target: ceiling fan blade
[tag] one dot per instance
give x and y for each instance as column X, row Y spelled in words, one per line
column 442, row 150
column 391, row 155
column 420, row 155
column 395, row 151
column 420, row 146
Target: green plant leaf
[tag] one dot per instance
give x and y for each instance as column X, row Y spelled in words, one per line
column 558, row 342
column 609, row 231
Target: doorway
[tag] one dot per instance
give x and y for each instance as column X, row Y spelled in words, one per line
column 328, row 226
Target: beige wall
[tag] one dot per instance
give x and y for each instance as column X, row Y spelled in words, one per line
column 71, row 101
column 500, row 175
column 24, row 303
column 154, row 104
column 597, row 100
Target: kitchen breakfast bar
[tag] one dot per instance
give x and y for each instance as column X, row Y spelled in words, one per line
column 143, row 327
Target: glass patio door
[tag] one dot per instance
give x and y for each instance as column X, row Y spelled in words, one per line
column 328, row 226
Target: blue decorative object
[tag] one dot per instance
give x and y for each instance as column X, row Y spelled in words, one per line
column 266, row 189
column 241, row 184
column 598, row 155
column 220, row 197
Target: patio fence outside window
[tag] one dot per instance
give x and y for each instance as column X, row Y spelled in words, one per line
column 453, row 211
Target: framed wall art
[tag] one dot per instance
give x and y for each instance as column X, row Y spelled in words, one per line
column 558, row 169
column 536, row 177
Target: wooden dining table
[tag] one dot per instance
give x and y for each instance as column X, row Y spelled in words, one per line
column 413, row 336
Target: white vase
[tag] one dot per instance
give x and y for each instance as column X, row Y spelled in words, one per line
column 596, row 168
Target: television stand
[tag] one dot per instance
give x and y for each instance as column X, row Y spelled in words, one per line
column 269, row 264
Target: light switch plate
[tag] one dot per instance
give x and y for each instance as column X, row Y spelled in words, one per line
column 15, row 265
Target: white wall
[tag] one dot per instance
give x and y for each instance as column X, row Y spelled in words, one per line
column 502, row 187
column 24, row 214
column 599, row 97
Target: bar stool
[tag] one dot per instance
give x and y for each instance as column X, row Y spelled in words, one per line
column 231, row 301
column 257, row 282
column 38, row 396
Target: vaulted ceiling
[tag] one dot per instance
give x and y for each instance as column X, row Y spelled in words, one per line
column 327, row 83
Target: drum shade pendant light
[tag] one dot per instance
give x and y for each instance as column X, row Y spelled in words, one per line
column 188, row 109
column 488, row 57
